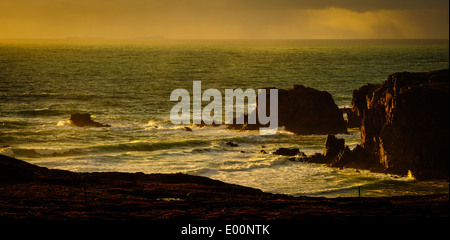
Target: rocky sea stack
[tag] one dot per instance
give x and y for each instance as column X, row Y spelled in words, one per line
column 303, row 110
column 405, row 123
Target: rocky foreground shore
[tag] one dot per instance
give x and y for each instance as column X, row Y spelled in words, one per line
column 29, row 192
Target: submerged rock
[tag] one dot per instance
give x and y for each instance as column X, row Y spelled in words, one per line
column 231, row 144
column 84, row 120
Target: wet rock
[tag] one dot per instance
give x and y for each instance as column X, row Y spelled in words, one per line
column 287, row 151
column 231, row 144
column 357, row 158
column 84, row 120
column 360, row 98
column 316, row 158
column 405, row 123
column 352, row 120
column 303, row 110
column 333, row 146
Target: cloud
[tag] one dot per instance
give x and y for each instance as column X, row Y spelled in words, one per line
column 344, row 23
column 354, row 5
column 225, row 18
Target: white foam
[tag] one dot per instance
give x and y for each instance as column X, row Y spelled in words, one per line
column 63, row 123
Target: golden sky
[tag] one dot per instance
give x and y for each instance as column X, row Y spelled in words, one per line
column 224, row 19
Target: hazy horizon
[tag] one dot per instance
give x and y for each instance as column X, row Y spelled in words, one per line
column 157, row 38
column 224, row 19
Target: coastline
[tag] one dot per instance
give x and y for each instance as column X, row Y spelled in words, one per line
column 29, row 192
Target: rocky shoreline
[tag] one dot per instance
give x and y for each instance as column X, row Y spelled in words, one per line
column 404, row 129
column 29, row 192
column 404, row 124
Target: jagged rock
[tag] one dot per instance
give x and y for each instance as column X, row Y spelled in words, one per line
column 84, row 120
column 357, row 158
column 336, row 154
column 405, row 123
column 352, row 120
column 360, row 98
column 333, row 146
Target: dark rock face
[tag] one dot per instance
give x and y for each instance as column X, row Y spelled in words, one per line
column 17, row 171
column 359, row 104
column 287, row 151
column 12, row 170
column 333, row 146
column 405, row 123
column 357, row 158
column 336, row 154
column 303, row 110
column 316, row 158
column 84, row 120
column 56, row 195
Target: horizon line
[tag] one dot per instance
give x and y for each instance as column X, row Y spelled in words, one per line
column 158, row 38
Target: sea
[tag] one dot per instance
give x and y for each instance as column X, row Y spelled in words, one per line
column 127, row 84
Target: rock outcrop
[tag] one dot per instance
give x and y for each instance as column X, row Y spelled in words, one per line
column 357, row 158
column 336, row 154
column 32, row 194
column 304, row 110
column 333, row 146
column 84, row 120
column 288, row 152
column 405, row 123
column 359, row 104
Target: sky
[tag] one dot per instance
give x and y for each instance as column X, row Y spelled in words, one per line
column 225, row 19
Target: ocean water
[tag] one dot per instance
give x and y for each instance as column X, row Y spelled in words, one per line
column 127, row 84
